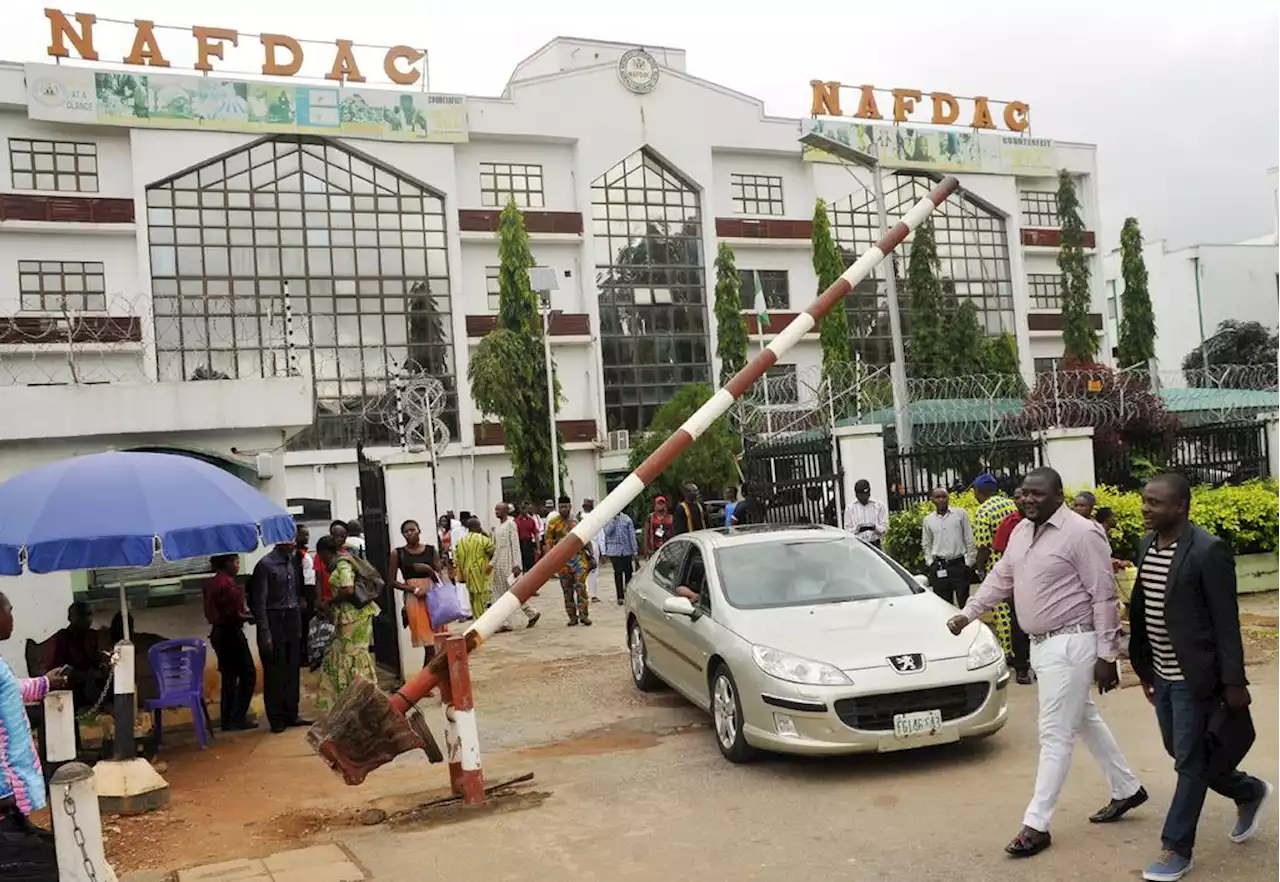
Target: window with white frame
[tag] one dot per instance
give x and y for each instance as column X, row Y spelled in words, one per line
column 66, row 166
column 774, row 283
column 756, row 194
column 1046, row 290
column 57, row 286
column 493, row 295
column 1040, row 208
column 501, row 182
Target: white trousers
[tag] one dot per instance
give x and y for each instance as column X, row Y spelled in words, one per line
column 1064, row 677
column 593, row 582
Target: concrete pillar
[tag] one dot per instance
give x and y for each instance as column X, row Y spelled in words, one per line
column 59, row 728
column 1070, row 452
column 1271, row 426
column 77, row 824
column 862, row 456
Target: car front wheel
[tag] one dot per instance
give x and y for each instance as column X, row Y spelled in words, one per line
column 640, row 674
column 726, row 712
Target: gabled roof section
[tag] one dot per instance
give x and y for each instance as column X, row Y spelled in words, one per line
column 571, row 53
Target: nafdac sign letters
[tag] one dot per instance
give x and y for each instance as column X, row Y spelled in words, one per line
column 282, row 55
column 946, row 107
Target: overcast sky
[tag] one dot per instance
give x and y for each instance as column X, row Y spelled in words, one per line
column 1182, row 98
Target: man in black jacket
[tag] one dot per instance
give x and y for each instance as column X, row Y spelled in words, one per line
column 1185, row 647
column 276, row 599
column 689, row 514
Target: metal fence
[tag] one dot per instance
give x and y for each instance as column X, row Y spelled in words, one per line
column 1207, row 454
column 914, row 474
column 798, row 479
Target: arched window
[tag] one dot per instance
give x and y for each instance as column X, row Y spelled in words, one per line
column 973, row 257
column 652, row 284
column 296, row 240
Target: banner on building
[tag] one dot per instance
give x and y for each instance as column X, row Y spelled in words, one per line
column 942, row 150
column 173, row 101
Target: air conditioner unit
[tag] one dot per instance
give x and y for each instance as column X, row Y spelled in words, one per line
column 620, row 441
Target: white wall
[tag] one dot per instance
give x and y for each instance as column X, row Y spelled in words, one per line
column 558, row 186
column 112, row 144
column 1236, row 282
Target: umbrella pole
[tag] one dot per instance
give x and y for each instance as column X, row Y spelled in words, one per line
column 125, row 674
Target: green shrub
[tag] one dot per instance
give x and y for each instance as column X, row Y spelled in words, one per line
column 1246, row 516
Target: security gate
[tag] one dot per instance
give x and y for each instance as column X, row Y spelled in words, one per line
column 796, row 479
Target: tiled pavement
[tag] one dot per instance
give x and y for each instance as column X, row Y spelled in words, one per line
column 322, row 863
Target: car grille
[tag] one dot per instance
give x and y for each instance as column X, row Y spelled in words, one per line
column 874, row 713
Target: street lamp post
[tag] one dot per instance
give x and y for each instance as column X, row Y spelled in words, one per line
column 898, row 370
column 543, row 280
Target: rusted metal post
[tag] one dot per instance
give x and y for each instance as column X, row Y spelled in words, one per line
column 462, row 710
column 551, row 563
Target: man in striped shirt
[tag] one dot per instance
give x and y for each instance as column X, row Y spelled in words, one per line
column 1185, row 647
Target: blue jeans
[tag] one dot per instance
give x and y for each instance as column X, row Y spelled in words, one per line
column 1184, row 721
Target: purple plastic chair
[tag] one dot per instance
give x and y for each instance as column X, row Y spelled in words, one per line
column 178, row 666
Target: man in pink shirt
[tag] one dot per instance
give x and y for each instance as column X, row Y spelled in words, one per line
column 1057, row 568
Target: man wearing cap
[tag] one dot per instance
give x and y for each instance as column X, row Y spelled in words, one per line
column 993, row 508
column 657, row 527
column 866, row 518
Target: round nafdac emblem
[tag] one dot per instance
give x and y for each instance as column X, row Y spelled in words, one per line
column 48, row 92
column 638, row 71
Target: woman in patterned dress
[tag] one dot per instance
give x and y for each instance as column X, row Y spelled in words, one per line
column 471, row 557
column 348, row 656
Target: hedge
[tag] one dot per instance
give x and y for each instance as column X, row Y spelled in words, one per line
column 1246, row 516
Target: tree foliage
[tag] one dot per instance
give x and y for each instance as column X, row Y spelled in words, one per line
column 828, row 264
column 1234, row 343
column 709, row 461
column 731, row 326
column 1080, row 343
column 507, row 371
column 1137, row 320
column 1000, row 355
column 928, row 354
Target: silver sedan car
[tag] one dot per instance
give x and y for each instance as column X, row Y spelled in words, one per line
column 804, row 640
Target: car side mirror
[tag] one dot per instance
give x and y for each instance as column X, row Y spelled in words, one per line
column 923, row 581
column 679, row 606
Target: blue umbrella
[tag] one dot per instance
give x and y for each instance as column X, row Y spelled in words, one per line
column 111, row 509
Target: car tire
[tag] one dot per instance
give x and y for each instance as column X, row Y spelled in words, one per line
column 726, row 717
column 638, row 653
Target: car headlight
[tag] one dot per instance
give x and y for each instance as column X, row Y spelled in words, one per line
column 985, row 649
column 795, row 669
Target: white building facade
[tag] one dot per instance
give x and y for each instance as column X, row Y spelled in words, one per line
column 152, row 254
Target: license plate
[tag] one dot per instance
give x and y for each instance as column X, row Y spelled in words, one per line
column 919, row 723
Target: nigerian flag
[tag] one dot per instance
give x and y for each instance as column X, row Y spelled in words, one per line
column 761, row 308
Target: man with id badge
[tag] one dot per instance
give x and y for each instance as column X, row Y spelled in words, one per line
column 946, row 538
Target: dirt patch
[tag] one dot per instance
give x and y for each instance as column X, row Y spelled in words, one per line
column 496, row 803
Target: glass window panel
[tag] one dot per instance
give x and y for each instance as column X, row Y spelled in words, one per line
column 300, row 224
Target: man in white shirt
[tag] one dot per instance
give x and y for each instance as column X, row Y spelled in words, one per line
column 866, row 518
column 946, row 540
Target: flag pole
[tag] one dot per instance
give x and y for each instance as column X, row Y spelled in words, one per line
column 661, row 458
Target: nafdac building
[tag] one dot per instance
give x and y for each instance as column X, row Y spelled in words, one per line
column 160, row 227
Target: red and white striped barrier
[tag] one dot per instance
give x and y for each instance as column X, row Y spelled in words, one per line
column 551, row 563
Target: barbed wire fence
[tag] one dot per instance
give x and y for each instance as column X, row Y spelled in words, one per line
column 133, row 339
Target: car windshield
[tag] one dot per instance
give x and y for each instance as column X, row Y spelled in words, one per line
column 803, row 572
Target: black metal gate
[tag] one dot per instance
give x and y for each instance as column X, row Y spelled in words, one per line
column 796, row 479
column 372, row 497
column 913, row 475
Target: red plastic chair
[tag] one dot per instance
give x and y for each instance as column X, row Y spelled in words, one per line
column 178, row 666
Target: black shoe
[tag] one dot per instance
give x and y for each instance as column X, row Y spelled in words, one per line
column 299, row 723
column 586, row 622
column 1023, row 678
column 572, row 623
column 240, row 726
column 533, row 619
column 276, row 730
column 621, row 601
column 1028, row 842
column 1116, row 809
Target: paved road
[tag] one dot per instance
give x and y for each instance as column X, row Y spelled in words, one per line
column 631, row 787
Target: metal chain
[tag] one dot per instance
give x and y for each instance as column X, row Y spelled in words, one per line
column 69, row 806
column 106, row 690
